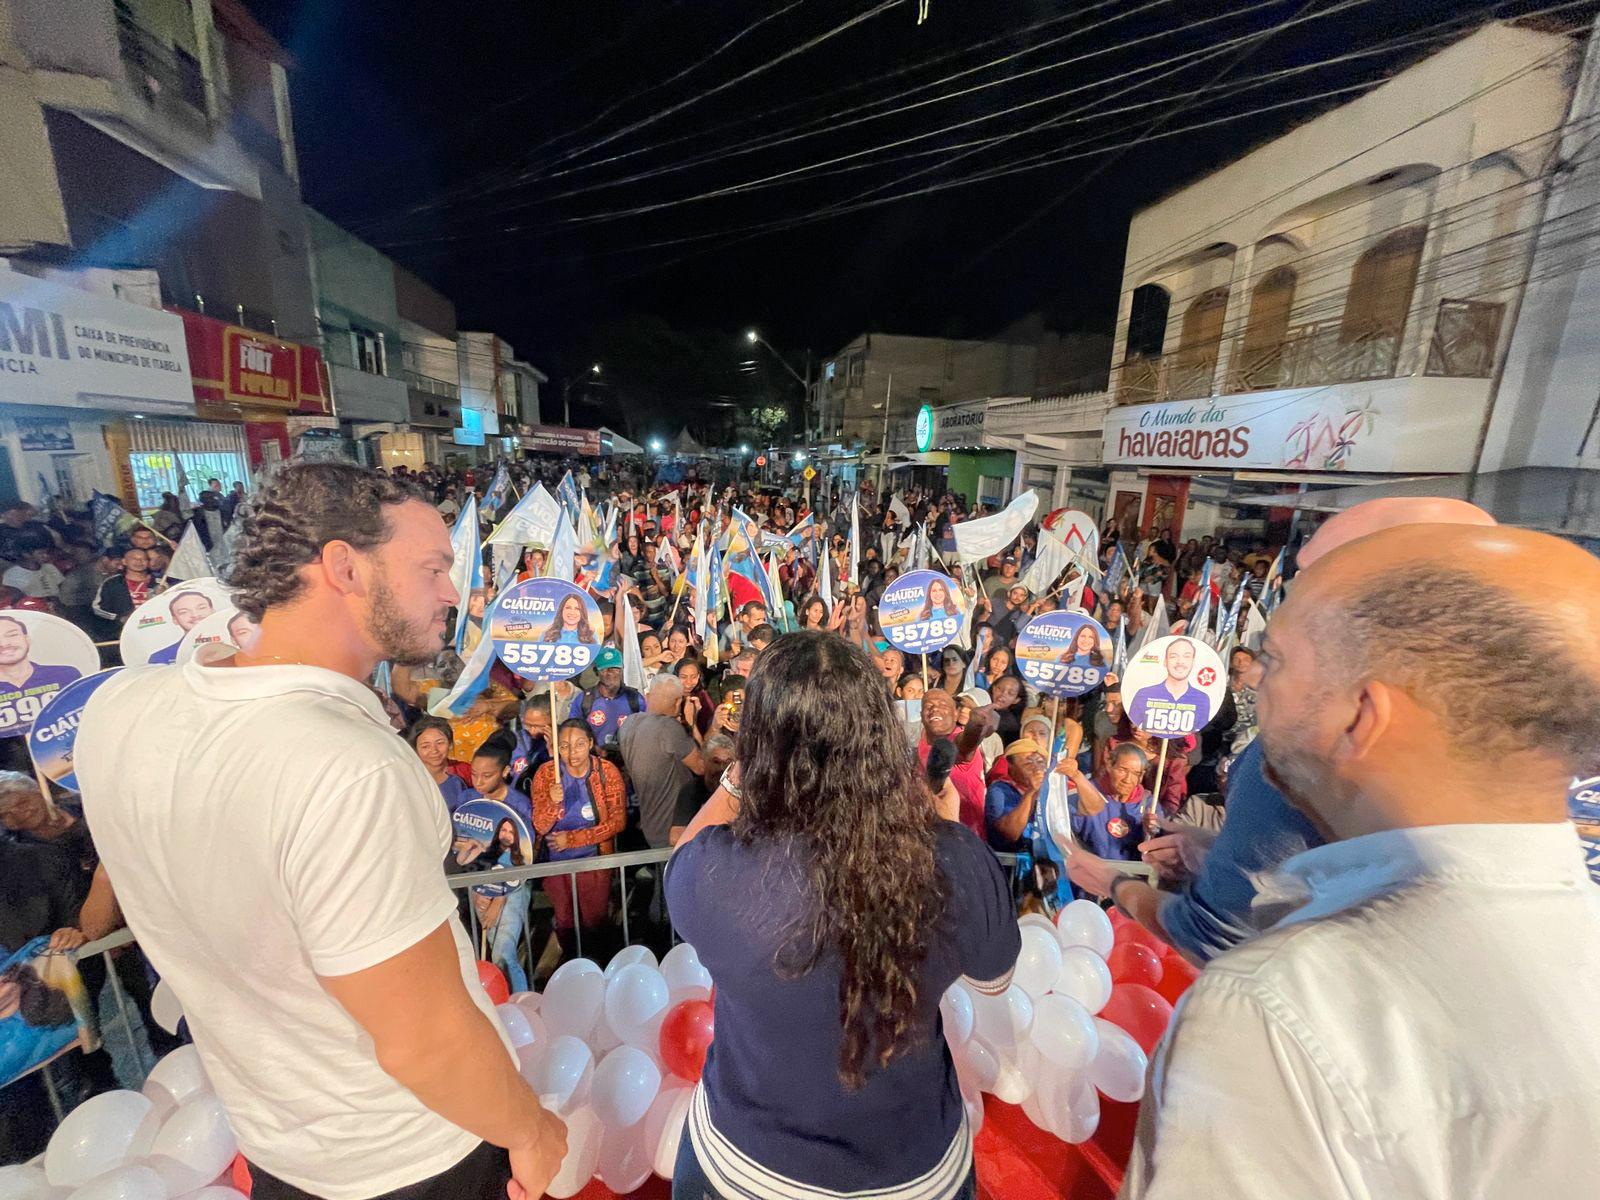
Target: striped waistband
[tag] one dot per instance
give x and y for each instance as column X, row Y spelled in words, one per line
column 739, row 1177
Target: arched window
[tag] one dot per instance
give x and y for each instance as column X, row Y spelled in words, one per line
column 1381, row 286
column 1195, row 362
column 1147, row 334
column 1266, row 334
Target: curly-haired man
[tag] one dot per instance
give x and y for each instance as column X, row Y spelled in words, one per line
column 277, row 851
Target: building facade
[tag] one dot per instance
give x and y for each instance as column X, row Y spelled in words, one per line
column 1331, row 307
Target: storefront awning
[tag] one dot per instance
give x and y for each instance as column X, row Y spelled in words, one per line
column 1553, row 499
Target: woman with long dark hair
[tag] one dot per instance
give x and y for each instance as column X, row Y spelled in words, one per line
column 571, row 624
column 834, row 907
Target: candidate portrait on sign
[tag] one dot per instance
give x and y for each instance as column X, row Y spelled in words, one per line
column 1174, row 691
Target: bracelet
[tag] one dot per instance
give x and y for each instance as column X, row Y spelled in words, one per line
column 1112, row 892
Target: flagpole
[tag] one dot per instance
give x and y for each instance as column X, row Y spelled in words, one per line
column 1161, row 766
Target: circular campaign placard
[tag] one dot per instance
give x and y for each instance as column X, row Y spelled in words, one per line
column 1174, row 686
column 227, row 625
column 55, row 731
column 546, row 629
column 922, row 612
column 1063, row 653
column 491, row 834
column 39, row 655
column 155, row 629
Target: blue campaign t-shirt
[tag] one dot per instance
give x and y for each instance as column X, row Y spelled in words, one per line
column 577, row 812
column 606, row 713
column 1212, row 913
column 1157, row 696
column 1001, row 797
column 771, row 1112
column 454, row 790
column 1117, row 829
column 167, row 654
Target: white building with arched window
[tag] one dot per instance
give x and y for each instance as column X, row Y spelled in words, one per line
column 1333, row 305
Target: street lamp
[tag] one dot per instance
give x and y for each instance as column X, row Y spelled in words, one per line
column 799, row 456
column 657, row 445
column 755, row 339
column 744, row 448
column 595, row 369
column 751, row 336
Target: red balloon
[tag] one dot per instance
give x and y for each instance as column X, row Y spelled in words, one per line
column 239, row 1174
column 1139, row 1010
column 1176, row 977
column 494, row 982
column 685, row 1037
column 1133, row 962
column 1127, row 931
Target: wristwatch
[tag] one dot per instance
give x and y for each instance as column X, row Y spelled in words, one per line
column 1111, row 892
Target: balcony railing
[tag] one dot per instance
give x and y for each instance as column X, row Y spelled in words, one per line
column 1317, row 354
column 427, row 383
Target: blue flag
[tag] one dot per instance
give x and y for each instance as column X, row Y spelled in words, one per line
column 742, row 560
column 499, row 486
column 466, row 565
column 1201, row 617
column 567, row 493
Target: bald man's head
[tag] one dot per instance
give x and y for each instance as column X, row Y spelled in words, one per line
column 1432, row 650
column 1373, row 516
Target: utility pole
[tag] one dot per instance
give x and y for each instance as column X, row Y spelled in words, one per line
column 883, row 446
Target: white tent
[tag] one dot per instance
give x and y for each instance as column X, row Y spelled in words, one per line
column 620, row 444
column 684, row 443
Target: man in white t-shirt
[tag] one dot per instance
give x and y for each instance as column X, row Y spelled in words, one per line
column 279, row 852
column 33, row 575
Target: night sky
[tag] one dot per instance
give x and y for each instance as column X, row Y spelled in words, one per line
column 447, row 134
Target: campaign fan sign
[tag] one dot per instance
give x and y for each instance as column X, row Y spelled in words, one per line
column 39, row 655
column 44, row 1008
column 226, row 626
column 155, row 630
column 922, row 612
column 490, row 835
column 546, row 629
column 1174, row 686
column 1063, row 653
column 55, row 731
column 1583, row 806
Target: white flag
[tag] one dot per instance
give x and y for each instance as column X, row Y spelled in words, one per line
column 1155, row 626
column 632, row 659
column 855, row 541
column 1051, row 557
column 825, row 577
column 531, row 523
column 902, row 514
column 190, row 561
column 986, row 536
column 1254, row 626
column 1075, row 591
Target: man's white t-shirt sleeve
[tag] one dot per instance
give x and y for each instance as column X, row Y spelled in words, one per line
column 365, row 872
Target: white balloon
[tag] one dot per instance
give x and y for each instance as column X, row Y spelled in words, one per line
column 683, row 971
column 635, row 996
column 1084, row 923
column 572, row 998
column 1003, row 1021
column 1038, row 962
column 1083, row 1114
column 516, row 1024
column 25, row 1183
column 974, row 1114
column 630, row 956
column 625, row 1161
column 1119, row 1066
column 562, row 1077
column 164, row 1006
column 176, row 1178
column 1064, row 1032
column 527, row 1001
column 583, row 1154
column 125, row 1183
column 625, row 1083
column 662, row 1127
column 216, row 1192
column 96, row 1136
column 1017, row 1073
column 162, row 1106
column 604, row 1039
column 529, row 1057
column 680, row 995
column 956, row 1009
column 979, row 1063
column 1085, row 977
column 647, row 1037
column 179, row 1074
column 1037, row 919
column 198, row 1136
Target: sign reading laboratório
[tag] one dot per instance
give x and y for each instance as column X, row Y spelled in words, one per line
column 489, row 836
column 1174, row 686
column 154, row 631
column 55, row 731
column 60, row 345
column 546, row 629
column 39, row 655
column 1063, row 653
column 921, row 612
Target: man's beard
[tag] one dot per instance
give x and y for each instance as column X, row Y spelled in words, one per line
column 1293, row 773
column 403, row 643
